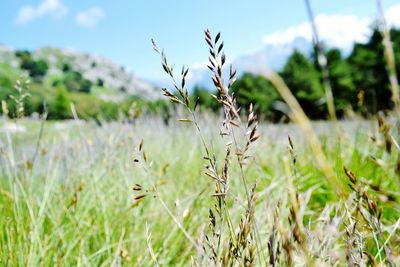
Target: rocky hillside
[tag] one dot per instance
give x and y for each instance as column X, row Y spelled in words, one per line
column 99, row 70
column 59, row 79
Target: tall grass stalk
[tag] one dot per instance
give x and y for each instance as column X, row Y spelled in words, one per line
column 238, row 195
column 322, row 61
column 300, row 118
column 389, row 56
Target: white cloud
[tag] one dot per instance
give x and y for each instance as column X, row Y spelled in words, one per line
column 89, row 18
column 53, row 8
column 336, row 30
column 199, row 65
column 196, row 71
column 392, row 16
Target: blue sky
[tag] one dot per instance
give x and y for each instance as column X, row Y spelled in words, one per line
column 122, row 29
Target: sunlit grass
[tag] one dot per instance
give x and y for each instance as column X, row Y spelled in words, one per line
column 76, row 205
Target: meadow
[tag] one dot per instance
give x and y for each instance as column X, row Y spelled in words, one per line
column 100, row 196
column 201, row 189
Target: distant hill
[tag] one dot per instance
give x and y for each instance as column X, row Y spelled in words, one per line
column 96, row 86
column 97, row 69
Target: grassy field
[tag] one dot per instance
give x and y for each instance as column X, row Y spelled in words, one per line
column 100, row 196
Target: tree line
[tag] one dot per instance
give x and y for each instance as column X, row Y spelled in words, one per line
column 359, row 82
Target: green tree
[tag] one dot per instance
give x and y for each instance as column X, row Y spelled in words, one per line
column 256, row 90
column 204, row 98
column 303, row 79
column 395, row 37
column 75, row 82
column 36, row 69
column 39, row 69
column 65, row 67
column 61, row 107
column 369, row 73
column 340, row 74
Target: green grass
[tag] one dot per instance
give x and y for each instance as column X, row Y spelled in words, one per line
column 75, row 205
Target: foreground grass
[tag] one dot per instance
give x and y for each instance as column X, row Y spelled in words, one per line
column 74, row 205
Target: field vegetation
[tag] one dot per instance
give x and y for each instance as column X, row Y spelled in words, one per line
column 211, row 182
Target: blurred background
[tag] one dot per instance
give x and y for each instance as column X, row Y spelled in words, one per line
column 98, row 54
